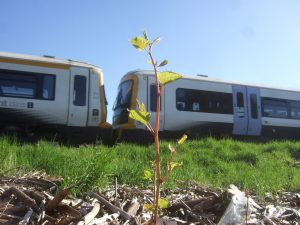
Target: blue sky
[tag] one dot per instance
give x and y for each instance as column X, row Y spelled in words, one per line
column 256, row 41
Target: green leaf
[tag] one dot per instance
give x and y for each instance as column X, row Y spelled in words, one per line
column 182, row 139
column 149, row 207
column 157, row 40
column 140, row 43
column 163, row 63
column 163, row 203
column 141, row 106
column 148, row 175
column 141, row 116
column 174, row 165
column 168, row 77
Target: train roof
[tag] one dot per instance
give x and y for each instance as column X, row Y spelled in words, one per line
column 19, row 58
column 216, row 80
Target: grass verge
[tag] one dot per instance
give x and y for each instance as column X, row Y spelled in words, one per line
column 260, row 168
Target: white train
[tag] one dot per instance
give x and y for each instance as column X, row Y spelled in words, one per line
column 40, row 94
column 203, row 106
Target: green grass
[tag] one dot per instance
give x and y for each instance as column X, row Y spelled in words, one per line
column 260, row 168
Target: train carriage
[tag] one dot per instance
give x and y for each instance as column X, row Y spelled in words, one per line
column 204, row 106
column 43, row 94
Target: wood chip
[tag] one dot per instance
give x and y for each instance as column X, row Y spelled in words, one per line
column 110, row 206
column 52, row 204
column 26, row 218
column 25, row 198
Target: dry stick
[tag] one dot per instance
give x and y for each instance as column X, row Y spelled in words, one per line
column 6, row 206
column 45, row 184
column 26, row 218
column 69, row 210
column 91, row 215
column 189, row 211
column 106, row 219
column 52, row 204
column 110, row 206
column 116, row 187
column 25, row 198
column 66, row 221
column 190, row 203
column 4, row 216
column 185, row 205
column 49, row 218
column 133, row 208
column 14, row 210
column 247, row 207
column 147, row 198
column 38, row 197
column 78, row 204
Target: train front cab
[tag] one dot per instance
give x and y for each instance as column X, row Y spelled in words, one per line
column 126, row 98
column 136, row 85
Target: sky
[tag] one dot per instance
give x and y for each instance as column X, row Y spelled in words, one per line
column 248, row 41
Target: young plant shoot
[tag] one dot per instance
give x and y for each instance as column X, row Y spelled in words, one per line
column 141, row 115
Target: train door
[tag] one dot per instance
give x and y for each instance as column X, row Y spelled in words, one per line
column 254, row 111
column 152, row 103
column 94, row 109
column 78, row 101
column 246, row 110
column 240, row 112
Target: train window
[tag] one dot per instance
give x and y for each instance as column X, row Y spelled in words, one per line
column 48, row 87
column 203, row 101
column 105, row 99
column 124, row 95
column 253, row 105
column 16, row 88
column 276, row 108
column 240, row 99
column 196, row 106
column 79, row 90
column 153, row 98
column 21, row 84
column 295, row 109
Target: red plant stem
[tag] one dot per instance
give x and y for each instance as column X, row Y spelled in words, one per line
column 156, row 138
column 157, row 159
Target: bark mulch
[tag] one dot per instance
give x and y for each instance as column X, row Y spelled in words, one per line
column 35, row 198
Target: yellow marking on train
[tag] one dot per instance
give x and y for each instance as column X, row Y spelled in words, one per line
column 130, row 124
column 102, row 98
column 35, row 63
